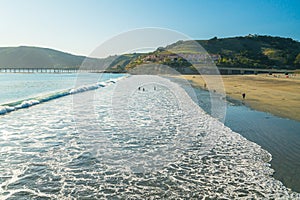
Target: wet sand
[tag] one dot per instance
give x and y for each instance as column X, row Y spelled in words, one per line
column 275, row 94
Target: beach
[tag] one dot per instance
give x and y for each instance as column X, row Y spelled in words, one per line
column 117, row 141
column 275, row 94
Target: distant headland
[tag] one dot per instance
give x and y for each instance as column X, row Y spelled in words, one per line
column 251, row 51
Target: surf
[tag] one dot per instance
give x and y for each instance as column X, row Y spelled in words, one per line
column 29, row 102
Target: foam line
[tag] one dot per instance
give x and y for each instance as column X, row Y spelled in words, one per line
column 26, row 103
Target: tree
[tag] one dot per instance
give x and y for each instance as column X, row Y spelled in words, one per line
column 297, row 60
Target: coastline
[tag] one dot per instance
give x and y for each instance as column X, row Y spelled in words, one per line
column 275, row 94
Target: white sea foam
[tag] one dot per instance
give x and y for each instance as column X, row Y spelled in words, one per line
column 90, row 87
column 40, row 99
column 160, row 145
column 27, row 103
column 6, row 109
column 3, row 110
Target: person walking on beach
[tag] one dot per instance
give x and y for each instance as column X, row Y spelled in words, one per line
column 244, row 95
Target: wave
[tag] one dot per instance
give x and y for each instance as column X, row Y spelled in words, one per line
column 26, row 103
column 150, row 144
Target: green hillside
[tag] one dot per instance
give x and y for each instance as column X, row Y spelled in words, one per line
column 35, row 57
column 255, row 51
column 243, row 52
column 119, row 63
column 251, row 51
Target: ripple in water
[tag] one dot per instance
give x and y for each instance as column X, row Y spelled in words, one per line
column 129, row 143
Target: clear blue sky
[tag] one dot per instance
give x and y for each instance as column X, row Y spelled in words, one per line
column 79, row 26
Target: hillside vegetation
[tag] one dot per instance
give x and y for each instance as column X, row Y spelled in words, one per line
column 35, row 57
column 251, row 51
column 255, row 51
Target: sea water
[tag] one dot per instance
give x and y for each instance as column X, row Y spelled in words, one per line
column 122, row 141
column 18, row 86
column 279, row 136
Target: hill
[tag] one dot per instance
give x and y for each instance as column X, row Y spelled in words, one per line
column 255, row 51
column 251, row 51
column 35, row 57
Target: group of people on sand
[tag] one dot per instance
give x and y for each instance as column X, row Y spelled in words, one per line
column 143, row 89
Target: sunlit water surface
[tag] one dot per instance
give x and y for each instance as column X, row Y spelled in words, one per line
column 122, row 142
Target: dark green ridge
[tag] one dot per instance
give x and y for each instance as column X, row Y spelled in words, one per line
column 252, row 51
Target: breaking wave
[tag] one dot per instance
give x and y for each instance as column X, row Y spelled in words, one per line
column 146, row 144
column 26, row 103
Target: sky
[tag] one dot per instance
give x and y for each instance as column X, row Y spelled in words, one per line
column 79, row 26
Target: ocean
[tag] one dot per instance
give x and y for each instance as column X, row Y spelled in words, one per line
column 114, row 136
column 279, row 136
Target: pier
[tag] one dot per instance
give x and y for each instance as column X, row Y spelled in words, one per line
column 48, row 70
column 232, row 71
column 222, row 70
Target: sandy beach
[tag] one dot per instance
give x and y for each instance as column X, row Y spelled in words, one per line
column 276, row 94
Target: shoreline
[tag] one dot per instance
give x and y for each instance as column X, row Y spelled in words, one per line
column 275, row 94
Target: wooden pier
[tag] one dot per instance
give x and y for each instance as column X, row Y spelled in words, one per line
column 230, row 71
column 235, row 71
column 48, row 70
column 222, row 70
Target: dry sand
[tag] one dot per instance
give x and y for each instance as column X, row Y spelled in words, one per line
column 275, row 94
